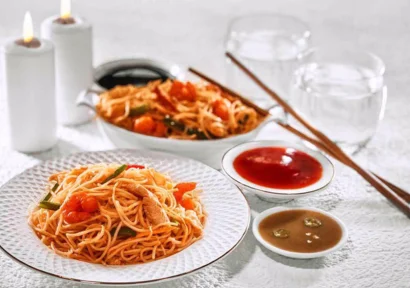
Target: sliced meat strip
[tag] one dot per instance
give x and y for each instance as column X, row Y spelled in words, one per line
column 136, row 189
column 196, row 224
column 152, row 207
column 155, row 213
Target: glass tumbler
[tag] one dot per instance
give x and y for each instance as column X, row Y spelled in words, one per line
column 342, row 93
column 271, row 45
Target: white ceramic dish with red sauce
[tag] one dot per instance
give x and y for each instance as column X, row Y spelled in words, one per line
column 277, row 194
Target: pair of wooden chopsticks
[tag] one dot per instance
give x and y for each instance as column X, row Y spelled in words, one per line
column 396, row 195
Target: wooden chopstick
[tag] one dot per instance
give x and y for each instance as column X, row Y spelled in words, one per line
column 247, row 102
column 331, row 146
column 405, row 195
column 402, row 193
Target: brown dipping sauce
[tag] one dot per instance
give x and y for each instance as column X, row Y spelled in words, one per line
column 278, row 167
column 292, row 234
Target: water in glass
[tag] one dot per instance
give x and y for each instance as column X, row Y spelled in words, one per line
column 271, row 46
column 344, row 101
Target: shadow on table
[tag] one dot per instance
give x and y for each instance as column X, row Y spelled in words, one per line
column 325, row 200
column 239, row 258
column 317, row 263
column 62, row 148
column 218, row 273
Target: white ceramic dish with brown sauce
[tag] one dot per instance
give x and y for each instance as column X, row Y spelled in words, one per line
column 298, row 255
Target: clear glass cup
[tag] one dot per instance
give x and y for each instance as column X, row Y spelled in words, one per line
column 271, row 45
column 342, row 93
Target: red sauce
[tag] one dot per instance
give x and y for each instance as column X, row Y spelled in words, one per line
column 278, row 167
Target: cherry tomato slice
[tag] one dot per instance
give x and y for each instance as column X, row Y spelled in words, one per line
column 79, row 208
column 192, row 91
column 89, row 204
column 185, row 186
column 160, row 129
column 221, row 110
column 188, row 204
column 183, row 91
column 74, row 203
column 176, row 88
column 178, row 196
column 144, row 125
column 136, row 166
column 182, row 189
column 75, row 217
column 164, row 100
column 82, row 216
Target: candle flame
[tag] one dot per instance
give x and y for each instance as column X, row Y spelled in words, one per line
column 27, row 28
column 65, row 9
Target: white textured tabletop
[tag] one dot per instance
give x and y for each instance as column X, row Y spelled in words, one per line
column 192, row 32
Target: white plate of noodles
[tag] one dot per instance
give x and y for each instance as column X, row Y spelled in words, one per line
column 178, row 117
column 120, row 217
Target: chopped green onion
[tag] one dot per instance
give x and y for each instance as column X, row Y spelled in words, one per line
column 54, row 187
column 139, row 110
column 124, row 232
column 173, row 124
column 199, row 134
column 48, row 196
column 49, row 205
column 115, row 174
column 244, row 120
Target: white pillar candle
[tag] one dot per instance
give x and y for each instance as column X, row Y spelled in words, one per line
column 29, row 87
column 72, row 37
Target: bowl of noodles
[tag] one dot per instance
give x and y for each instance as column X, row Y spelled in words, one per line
column 120, row 217
column 193, row 119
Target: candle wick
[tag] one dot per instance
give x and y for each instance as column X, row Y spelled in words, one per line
column 33, row 43
column 65, row 20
